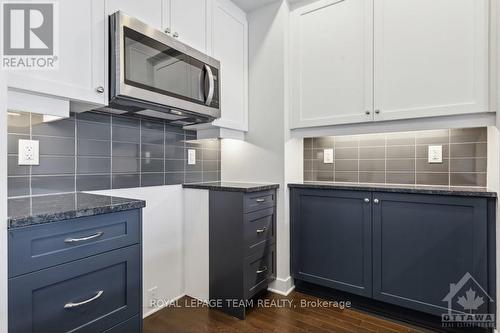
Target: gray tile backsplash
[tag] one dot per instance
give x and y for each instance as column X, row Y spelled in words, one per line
column 97, row 151
column 400, row 158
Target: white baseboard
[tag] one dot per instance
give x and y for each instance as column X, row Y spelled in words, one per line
column 282, row 286
column 164, row 304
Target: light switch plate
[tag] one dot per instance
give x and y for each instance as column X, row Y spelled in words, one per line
column 435, row 154
column 28, row 152
column 191, row 156
column 328, row 156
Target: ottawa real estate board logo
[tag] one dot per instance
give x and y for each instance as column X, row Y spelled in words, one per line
column 30, row 35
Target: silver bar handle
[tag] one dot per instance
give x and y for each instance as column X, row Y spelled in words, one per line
column 259, row 200
column 259, row 231
column 75, row 305
column 262, row 270
column 211, row 85
column 83, row 239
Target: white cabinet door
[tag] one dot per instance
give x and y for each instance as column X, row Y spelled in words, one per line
column 431, row 57
column 331, row 63
column 230, row 47
column 148, row 11
column 187, row 19
column 82, row 56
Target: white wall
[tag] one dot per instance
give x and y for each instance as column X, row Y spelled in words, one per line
column 261, row 158
column 162, row 240
column 3, row 204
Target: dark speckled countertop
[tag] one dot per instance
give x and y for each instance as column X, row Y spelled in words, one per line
column 28, row 211
column 232, row 187
column 435, row 190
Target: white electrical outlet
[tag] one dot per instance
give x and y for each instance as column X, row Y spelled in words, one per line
column 28, row 153
column 191, row 156
column 435, row 154
column 328, row 156
column 153, row 296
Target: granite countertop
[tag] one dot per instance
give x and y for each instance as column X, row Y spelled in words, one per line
column 232, row 187
column 28, row 211
column 437, row 190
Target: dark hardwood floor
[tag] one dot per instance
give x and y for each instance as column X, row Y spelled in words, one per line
column 275, row 319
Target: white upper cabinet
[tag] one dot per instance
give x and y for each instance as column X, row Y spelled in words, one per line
column 229, row 41
column 331, row 63
column 82, row 72
column 187, row 20
column 431, row 58
column 147, row 11
column 393, row 59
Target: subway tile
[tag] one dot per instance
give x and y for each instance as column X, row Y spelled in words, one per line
column 14, row 169
column 56, row 146
column 308, row 176
column 466, row 135
column 86, row 165
column 173, row 178
column 198, row 166
column 323, row 142
column 209, row 154
column 194, row 177
column 423, row 165
column 126, row 121
column 400, row 152
column 210, row 176
column 318, row 165
column 321, row 176
column 153, row 125
column 126, row 134
column 372, row 165
column 152, row 137
column 469, row 165
column 318, row 154
column 346, row 141
column 96, row 117
column 125, row 181
column 407, row 165
column 400, row 178
column 193, row 143
column 52, row 184
column 372, row 177
column 12, row 142
column 210, row 166
column 308, row 165
column 468, row 150
column 18, row 122
column 152, row 165
column 423, row 151
column 93, row 131
column 433, row 137
column 126, row 165
column 54, row 165
column 308, row 154
column 60, row 128
column 308, row 143
column 401, row 139
column 93, row 182
column 372, row 140
column 345, row 153
column 174, row 165
column 372, row 152
column 210, row 144
column 174, row 129
column 126, row 149
column 346, row 165
column 433, row 179
column 174, row 139
column 349, row 177
column 468, row 179
column 18, row 186
column 152, row 151
column 152, row 179
column 93, row 148
column 174, row 152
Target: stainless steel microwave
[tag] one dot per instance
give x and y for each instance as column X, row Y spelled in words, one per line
column 154, row 74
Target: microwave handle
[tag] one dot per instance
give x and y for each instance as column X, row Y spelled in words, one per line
column 211, row 85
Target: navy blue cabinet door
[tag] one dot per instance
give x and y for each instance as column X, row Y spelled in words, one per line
column 331, row 239
column 422, row 244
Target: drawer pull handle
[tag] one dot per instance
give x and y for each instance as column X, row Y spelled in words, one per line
column 75, row 305
column 262, row 270
column 259, row 231
column 83, row 239
column 259, row 200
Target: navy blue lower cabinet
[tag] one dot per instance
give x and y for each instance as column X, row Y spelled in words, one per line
column 331, row 239
column 422, row 244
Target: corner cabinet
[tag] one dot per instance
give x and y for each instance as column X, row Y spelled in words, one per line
column 82, row 57
column 398, row 248
column 383, row 64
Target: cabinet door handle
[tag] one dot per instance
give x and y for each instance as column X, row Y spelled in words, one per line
column 260, row 271
column 100, row 89
column 83, row 239
column 377, row 111
column 260, row 200
column 367, row 200
column 367, row 113
column 259, row 231
column 376, row 201
column 168, row 31
column 176, row 34
column 75, row 305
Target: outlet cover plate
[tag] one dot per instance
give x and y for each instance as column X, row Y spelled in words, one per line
column 435, row 154
column 328, row 156
column 191, row 156
column 28, row 152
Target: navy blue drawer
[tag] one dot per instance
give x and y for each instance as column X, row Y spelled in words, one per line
column 259, row 229
column 133, row 325
column 39, row 247
column 88, row 295
column 259, row 271
column 259, row 200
